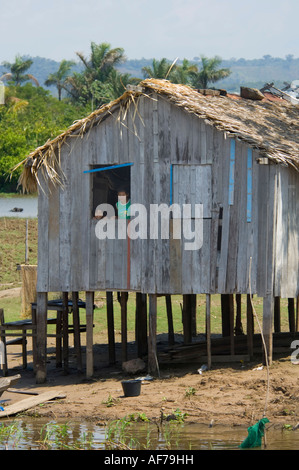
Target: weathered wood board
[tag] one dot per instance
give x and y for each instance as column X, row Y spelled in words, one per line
column 30, row 402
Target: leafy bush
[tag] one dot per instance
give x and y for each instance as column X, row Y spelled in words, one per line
column 30, row 116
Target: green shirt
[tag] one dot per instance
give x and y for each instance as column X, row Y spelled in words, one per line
column 123, row 210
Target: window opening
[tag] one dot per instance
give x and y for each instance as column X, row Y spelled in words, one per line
column 111, row 185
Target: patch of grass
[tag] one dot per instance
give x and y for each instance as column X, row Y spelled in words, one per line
column 12, row 249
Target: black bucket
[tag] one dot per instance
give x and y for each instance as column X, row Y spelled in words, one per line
column 131, row 388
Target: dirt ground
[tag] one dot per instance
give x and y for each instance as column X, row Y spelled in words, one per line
column 229, row 394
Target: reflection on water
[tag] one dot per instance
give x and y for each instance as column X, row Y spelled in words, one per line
column 36, row 434
column 27, row 204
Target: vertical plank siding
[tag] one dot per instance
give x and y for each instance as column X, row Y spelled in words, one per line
column 251, row 211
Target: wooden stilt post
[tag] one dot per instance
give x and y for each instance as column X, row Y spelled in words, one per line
column 268, row 309
column 277, row 314
column 193, row 314
column 110, row 325
column 124, row 333
column 141, row 324
column 65, row 331
column 239, row 327
column 227, row 310
column 297, row 314
column 250, row 327
column 89, row 333
column 41, row 338
column 169, row 319
column 153, row 367
column 227, row 314
column 187, row 319
column 142, row 350
column 77, row 334
column 231, row 325
column 291, row 311
column 137, row 321
column 208, row 329
column 58, row 339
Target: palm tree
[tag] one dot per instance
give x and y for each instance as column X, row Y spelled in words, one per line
column 89, row 85
column 183, row 72
column 161, row 69
column 117, row 83
column 209, row 73
column 102, row 60
column 59, row 78
column 17, row 71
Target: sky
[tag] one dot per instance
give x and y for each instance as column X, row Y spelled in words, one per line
column 57, row 29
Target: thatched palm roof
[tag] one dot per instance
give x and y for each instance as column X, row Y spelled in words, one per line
column 270, row 127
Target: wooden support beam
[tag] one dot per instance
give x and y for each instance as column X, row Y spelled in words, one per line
column 3, row 351
column 58, row 339
column 110, row 325
column 76, row 323
column 193, row 314
column 41, row 338
column 65, row 331
column 250, row 326
column 208, row 329
column 169, row 320
column 153, row 367
column 268, row 311
column 239, row 327
column 124, row 326
column 141, row 324
column 291, row 312
column 187, row 319
column 297, row 314
column 89, row 333
column 227, row 311
column 277, row 314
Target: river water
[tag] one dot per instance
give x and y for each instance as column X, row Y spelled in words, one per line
column 28, row 433
column 27, row 204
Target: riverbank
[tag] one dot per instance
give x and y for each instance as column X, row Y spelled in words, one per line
column 228, row 394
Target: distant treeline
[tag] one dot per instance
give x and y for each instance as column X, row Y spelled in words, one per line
column 244, row 72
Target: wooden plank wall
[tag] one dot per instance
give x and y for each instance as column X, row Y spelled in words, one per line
column 71, row 258
column 286, row 252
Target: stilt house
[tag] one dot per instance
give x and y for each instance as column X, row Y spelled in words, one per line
column 234, row 160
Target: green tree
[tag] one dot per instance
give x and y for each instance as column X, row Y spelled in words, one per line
column 183, row 72
column 59, row 78
column 117, row 83
column 161, row 69
column 209, row 72
column 17, row 71
column 101, row 61
column 30, row 116
column 97, row 81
